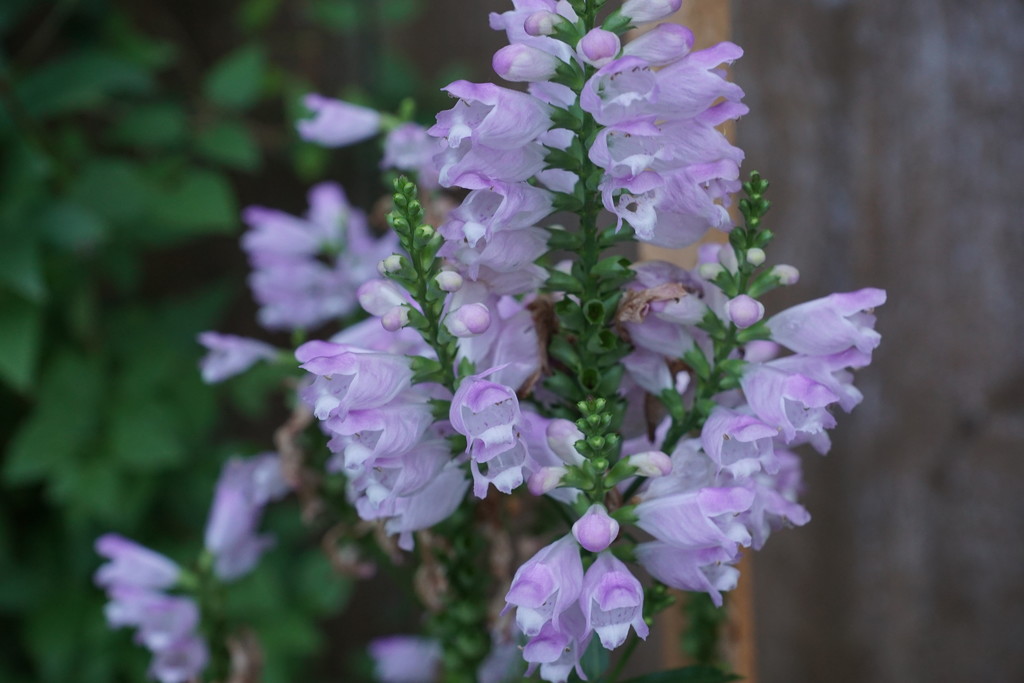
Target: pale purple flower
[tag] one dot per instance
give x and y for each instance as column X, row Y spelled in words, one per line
column 596, row 530
column 405, row 659
column 131, row 564
column 830, row 325
column 161, row 619
column 229, row 355
column 429, row 506
column 492, row 116
column 775, row 505
column 244, row 488
column 705, row 570
column 306, row 270
column 410, row 148
column 612, row 600
column 738, row 443
column 700, row 519
column 546, row 585
column 522, row 26
column 378, row 297
column 641, row 11
column 336, row 123
column 510, row 345
column 349, row 378
column 558, row 649
column 487, row 414
column 181, row 662
column 792, row 403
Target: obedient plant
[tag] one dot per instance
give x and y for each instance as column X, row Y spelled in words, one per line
column 509, row 360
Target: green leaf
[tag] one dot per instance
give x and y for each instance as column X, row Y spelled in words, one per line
column 595, row 660
column 114, row 189
column 339, row 15
column 143, row 436
column 688, row 674
column 237, row 80
column 21, row 268
column 200, row 203
column 229, row 143
column 71, row 226
column 80, row 80
column 64, row 421
column 151, row 126
column 397, row 11
column 20, row 327
column 254, row 15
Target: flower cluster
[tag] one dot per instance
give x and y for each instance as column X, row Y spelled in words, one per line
column 138, row 580
column 644, row 400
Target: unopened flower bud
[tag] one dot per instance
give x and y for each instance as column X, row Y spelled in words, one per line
column 595, row 530
column 377, row 297
column 424, row 233
column 651, row 464
column 650, row 10
column 545, row 479
column 755, row 256
column 598, row 47
column 449, row 281
column 469, row 320
column 788, row 275
column 392, row 264
column 542, row 23
column 562, row 437
column 395, row 319
column 709, row 271
column 522, row 63
column 727, row 257
column 744, row 311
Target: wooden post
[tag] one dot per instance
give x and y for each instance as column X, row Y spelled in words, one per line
column 710, row 21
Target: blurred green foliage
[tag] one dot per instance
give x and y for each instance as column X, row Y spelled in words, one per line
column 122, row 152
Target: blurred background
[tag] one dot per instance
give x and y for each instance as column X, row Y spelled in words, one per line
column 132, row 133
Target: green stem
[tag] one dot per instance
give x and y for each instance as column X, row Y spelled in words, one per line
column 624, row 658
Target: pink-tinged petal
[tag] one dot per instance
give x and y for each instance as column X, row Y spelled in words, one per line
column 830, row 325
column 336, row 123
column 661, row 45
column 546, row 585
column 133, row 565
column 704, row 570
column 641, row 11
column 612, row 600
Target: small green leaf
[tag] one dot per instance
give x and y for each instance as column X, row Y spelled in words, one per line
column 70, row 226
column 115, row 189
column 21, row 268
column 80, row 80
column 151, row 126
column 65, row 419
column 20, row 327
column 237, row 80
column 229, row 143
column 201, row 203
column 339, row 15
